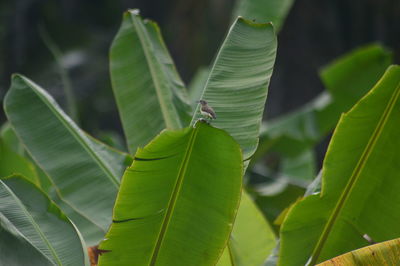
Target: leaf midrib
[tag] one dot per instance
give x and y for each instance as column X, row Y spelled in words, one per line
column 354, row 177
column 35, row 226
column 174, row 196
column 76, row 135
column 168, row 117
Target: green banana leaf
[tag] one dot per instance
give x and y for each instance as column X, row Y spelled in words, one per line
column 251, row 240
column 360, row 183
column 33, row 230
column 238, row 83
column 385, row 253
column 177, row 201
column 85, row 173
column 13, row 163
column 9, row 137
column 347, row 79
column 148, row 90
column 274, row 11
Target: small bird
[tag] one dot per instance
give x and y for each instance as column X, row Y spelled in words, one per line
column 207, row 110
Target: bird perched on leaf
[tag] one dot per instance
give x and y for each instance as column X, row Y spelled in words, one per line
column 207, row 110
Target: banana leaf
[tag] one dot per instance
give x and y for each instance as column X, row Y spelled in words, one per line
column 85, row 173
column 148, row 90
column 177, row 201
column 347, row 79
column 13, row 163
column 33, row 230
column 238, row 82
column 251, row 240
column 360, row 183
column 385, row 253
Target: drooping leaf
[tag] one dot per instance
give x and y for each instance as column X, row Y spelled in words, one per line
column 251, row 240
column 85, row 173
column 274, row 11
column 33, row 228
column 149, row 92
column 385, row 253
column 238, row 82
column 360, row 183
column 177, row 201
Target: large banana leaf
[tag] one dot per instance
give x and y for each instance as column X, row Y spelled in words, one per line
column 238, row 83
column 85, row 173
column 177, row 201
column 274, row 11
column 385, row 253
column 33, row 230
column 360, row 183
column 149, row 92
column 251, row 240
column 347, row 79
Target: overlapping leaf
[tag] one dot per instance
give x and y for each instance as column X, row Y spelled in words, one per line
column 347, row 79
column 177, row 201
column 33, row 230
column 238, row 82
column 385, row 253
column 149, row 92
column 85, row 173
column 251, row 240
column 360, row 183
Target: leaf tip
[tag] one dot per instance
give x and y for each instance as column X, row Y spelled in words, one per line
column 16, row 76
column 135, row 12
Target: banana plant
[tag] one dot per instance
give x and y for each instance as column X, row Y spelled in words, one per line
column 85, row 174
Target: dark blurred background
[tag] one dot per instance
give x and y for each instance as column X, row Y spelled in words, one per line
column 315, row 33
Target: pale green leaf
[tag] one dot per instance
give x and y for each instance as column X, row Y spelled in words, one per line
column 238, row 83
column 251, row 240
